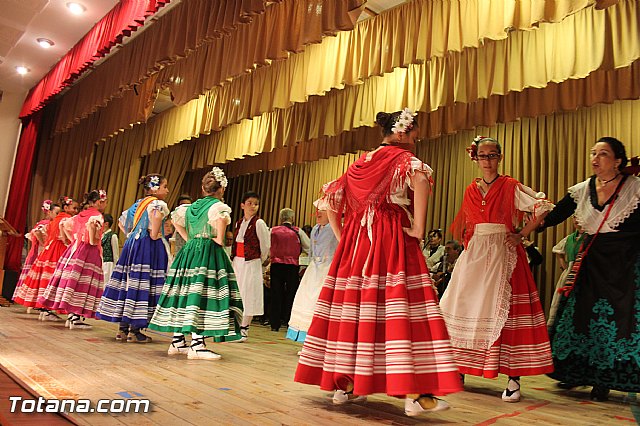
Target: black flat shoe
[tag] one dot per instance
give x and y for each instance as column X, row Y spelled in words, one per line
column 600, row 393
column 566, row 385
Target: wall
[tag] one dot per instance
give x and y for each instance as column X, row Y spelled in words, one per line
column 9, row 131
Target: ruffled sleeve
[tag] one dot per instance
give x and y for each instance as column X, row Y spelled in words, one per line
column 559, row 248
column 333, row 196
column 529, row 201
column 179, row 215
column 219, row 211
column 158, row 206
column 402, row 180
column 93, row 220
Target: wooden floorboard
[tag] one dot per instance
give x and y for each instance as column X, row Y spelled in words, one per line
column 252, row 384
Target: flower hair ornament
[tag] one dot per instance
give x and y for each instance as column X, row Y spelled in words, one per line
column 67, row 200
column 154, row 183
column 404, row 122
column 103, row 194
column 46, row 205
column 219, row 176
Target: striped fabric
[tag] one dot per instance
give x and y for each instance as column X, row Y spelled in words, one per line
column 377, row 322
column 523, row 347
column 201, row 294
column 39, row 275
column 76, row 284
column 28, row 263
column 134, row 288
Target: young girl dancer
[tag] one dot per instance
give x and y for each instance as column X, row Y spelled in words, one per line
column 45, row 264
column 491, row 305
column 377, row 327
column 201, row 295
column 76, row 285
column 37, row 236
column 131, row 295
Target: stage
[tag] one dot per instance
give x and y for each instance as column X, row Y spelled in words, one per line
column 252, row 384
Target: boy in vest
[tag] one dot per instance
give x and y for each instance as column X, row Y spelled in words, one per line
column 250, row 249
column 287, row 242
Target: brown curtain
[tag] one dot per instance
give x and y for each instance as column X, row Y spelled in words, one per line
column 219, row 39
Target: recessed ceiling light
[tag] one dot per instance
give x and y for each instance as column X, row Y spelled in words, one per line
column 76, row 8
column 45, row 43
column 22, row 70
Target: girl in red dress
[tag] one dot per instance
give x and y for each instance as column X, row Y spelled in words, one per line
column 491, row 305
column 377, row 327
column 45, row 264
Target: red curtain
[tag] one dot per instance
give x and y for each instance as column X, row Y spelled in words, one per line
column 120, row 22
column 16, row 212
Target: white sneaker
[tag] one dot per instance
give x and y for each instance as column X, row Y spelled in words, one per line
column 511, row 395
column 341, row 397
column 50, row 316
column 79, row 325
column 177, row 350
column 201, row 352
column 412, row 407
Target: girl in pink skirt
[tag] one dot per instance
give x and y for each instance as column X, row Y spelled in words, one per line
column 76, row 285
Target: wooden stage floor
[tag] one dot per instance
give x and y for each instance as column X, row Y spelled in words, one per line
column 252, row 384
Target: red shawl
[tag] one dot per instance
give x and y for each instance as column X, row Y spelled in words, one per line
column 499, row 207
column 368, row 182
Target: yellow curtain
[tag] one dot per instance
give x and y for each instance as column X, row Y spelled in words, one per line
column 226, row 38
column 547, row 153
column 435, row 28
column 598, row 87
column 524, row 60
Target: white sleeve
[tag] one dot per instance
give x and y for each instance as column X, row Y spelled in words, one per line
column 418, row 166
column 159, row 206
column 527, row 200
column 115, row 247
column 304, row 240
column 95, row 219
column 559, row 248
column 122, row 220
column 179, row 215
column 219, row 211
column 264, row 236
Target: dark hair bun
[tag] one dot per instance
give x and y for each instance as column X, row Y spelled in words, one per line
column 383, row 118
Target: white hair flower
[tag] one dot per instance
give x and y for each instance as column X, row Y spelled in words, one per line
column 103, row 194
column 154, row 183
column 404, row 122
column 46, row 205
column 219, row 176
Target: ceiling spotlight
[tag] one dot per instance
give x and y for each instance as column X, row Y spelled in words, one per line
column 45, row 43
column 76, row 8
column 22, row 70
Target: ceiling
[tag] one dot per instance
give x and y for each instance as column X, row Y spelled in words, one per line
column 23, row 21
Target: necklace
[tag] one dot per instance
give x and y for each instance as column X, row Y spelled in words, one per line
column 489, row 183
column 605, row 182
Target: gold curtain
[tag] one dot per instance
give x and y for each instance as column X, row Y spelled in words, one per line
column 547, row 153
column 219, row 40
column 356, row 56
column 533, row 60
column 598, row 87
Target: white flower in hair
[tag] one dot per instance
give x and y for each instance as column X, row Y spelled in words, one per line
column 219, row 176
column 154, row 183
column 103, row 194
column 46, row 205
column 404, row 122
